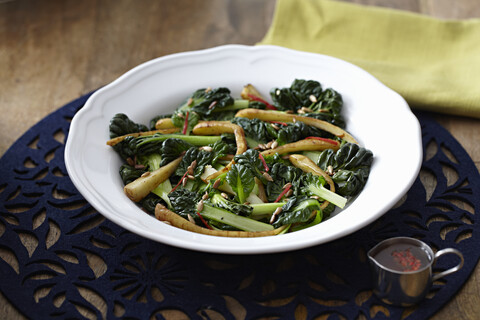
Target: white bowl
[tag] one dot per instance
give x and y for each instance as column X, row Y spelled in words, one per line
column 378, row 117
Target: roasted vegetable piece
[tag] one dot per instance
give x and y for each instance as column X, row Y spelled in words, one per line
column 218, row 128
column 302, row 145
column 285, row 117
column 142, row 186
column 163, row 214
column 307, row 165
column 249, row 92
column 164, row 123
column 350, row 167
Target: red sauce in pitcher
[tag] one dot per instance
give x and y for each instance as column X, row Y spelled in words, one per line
column 403, row 257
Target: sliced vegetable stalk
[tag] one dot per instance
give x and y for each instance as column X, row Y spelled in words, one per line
column 239, row 222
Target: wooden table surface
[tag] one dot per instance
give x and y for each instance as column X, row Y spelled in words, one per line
column 52, row 52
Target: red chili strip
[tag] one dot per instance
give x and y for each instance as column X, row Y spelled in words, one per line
column 279, row 122
column 324, row 139
column 179, row 182
column 255, row 98
column 283, row 193
column 204, row 222
column 263, row 162
column 185, row 124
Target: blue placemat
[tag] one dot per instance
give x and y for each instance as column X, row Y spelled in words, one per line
column 59, row 258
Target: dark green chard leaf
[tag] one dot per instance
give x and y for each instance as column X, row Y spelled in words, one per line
column 297, row 210
column 201, row 159
column 297, row 131
column 251, row 160
column 150, row 202
column 241, row 180
column 351, row 167
column 298, row 95
column 218, row 201
column 172, row 148
column 126, row 148
column 129, row 173
column 257, row 105
column 121, row 125
column 184, row 203
column 281, row 175
column 223, row 147
column 256, row 130
column 178, row 119
column 329, row 107
column 204, row 101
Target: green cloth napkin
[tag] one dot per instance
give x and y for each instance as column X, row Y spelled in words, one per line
column 434, row 64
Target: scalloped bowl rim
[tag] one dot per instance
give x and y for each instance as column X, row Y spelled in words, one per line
column 377, row 116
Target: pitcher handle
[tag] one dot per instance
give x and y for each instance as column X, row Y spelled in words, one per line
column 451, row 270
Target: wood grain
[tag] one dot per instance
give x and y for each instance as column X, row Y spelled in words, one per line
column 52, row 52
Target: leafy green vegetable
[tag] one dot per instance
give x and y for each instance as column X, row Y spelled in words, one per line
column 196, row 159
column 294, row 198
column 313, row 185
column 297, row 210
column 329, row 107
column 223, row 147
column 351, row 167
column 241, row 180
column 281, row 175
column 184, row 202
column 240, row 209
column 150, row 202
column 298, row 131
column 192, row 118
column 256, row 130
column 251, row 160
column 130, row 173
column 205, row 101
column 121, row 125
column 298, row 95
column 172, row 148
column 321, row 104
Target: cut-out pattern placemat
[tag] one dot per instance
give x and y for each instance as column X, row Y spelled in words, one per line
column 59, row 258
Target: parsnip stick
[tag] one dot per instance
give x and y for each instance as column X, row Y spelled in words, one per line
column 268, row 115
column 302, row 145
column 307, row 165
column 170, row 217
column 217, row 128
column 164, row 123
column 141, row 187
